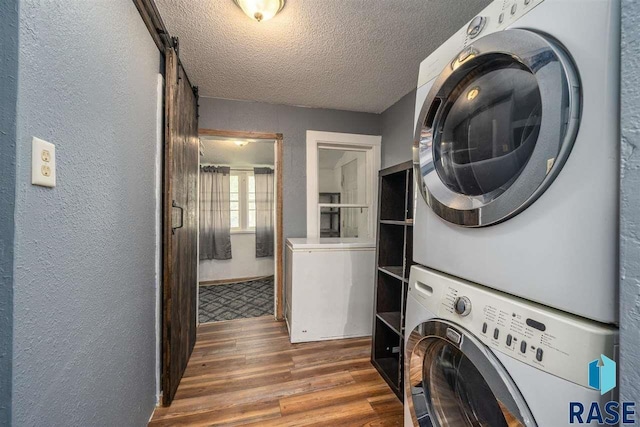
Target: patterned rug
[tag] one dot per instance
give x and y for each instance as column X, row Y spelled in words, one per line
column 236, row 300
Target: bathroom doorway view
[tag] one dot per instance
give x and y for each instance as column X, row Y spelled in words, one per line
column 237, row 228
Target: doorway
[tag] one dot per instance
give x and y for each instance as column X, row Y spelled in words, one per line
column 240, row 226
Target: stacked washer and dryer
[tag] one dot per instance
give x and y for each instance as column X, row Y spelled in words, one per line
column 516, row 158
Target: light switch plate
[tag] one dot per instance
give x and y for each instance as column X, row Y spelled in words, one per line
column 43, row 163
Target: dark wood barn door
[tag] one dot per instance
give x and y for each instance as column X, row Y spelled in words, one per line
column 180, row 224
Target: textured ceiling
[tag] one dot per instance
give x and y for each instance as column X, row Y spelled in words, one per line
column 223, row 151
column 360, row 55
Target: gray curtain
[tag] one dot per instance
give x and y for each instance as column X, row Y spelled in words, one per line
column 264, row 211
column 215, row 222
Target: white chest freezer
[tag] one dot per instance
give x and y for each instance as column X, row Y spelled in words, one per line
column 329, row 288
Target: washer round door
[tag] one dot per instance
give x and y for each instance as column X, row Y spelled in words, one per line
column 452, row 379
column 496, row 127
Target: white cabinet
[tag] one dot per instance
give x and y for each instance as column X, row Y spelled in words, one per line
column 329, row 288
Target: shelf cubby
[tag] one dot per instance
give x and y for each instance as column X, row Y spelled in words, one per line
column 388, row 294
column 388, row 254
column 392, row 319
column 392, row 197
column 386, row 354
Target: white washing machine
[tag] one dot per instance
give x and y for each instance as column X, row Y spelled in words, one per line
column 478, row 357
column 517, row 153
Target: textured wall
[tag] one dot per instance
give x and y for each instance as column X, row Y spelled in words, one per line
column 8, row 93
column 397, row 130
column 293, row 123
column 629, row 205
column 84, row 314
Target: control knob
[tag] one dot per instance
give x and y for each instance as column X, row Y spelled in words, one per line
column 462, row 306
column 476, row 26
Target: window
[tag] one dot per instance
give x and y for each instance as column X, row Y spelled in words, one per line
column 242, row 199
column 235, row 201
column 342, row 174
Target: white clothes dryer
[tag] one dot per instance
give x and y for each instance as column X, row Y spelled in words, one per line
column 517, row 154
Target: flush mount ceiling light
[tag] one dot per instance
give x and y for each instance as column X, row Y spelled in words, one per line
column 260, row 10
column 240, row 143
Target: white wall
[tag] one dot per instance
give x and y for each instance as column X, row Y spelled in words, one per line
column 349, row 156
column 242, row 264
column 327, row 181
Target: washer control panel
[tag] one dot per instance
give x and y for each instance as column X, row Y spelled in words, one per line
column 509, row 329
column 548, row 339
column 495, row 17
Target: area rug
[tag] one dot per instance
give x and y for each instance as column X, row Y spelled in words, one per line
column 236, row 300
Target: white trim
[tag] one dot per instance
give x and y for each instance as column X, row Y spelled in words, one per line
column 277, row 246
column 158, row 229
column 249, row 231
column 197, row 310
column 333, row 140
column 243, row 200
column 342, row 205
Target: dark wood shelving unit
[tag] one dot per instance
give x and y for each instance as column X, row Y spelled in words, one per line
column 394, row 259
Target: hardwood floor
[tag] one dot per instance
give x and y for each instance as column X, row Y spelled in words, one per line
column 245, row 372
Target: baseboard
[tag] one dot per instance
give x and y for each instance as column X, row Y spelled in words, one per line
column 228, row 281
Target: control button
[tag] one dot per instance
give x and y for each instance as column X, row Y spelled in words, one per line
column 509, row 340
column 496, row 333
column 523, row 347
column 484, row 328
column 514, row 8
column 475, row 26
column 501, row 18
column 539, row 355
column 462, row 306
column 536, row 325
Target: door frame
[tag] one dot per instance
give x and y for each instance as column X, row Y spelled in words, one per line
column 279, row 234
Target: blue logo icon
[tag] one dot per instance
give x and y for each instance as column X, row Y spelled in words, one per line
column 602, row 375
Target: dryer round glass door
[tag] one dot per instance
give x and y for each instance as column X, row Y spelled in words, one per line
column 452, row 379
column 496, row 127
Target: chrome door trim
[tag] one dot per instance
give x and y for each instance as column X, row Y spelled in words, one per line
column 559, row 86
column 479, row 354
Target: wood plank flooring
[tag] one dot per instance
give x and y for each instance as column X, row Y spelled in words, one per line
column 245, row 372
